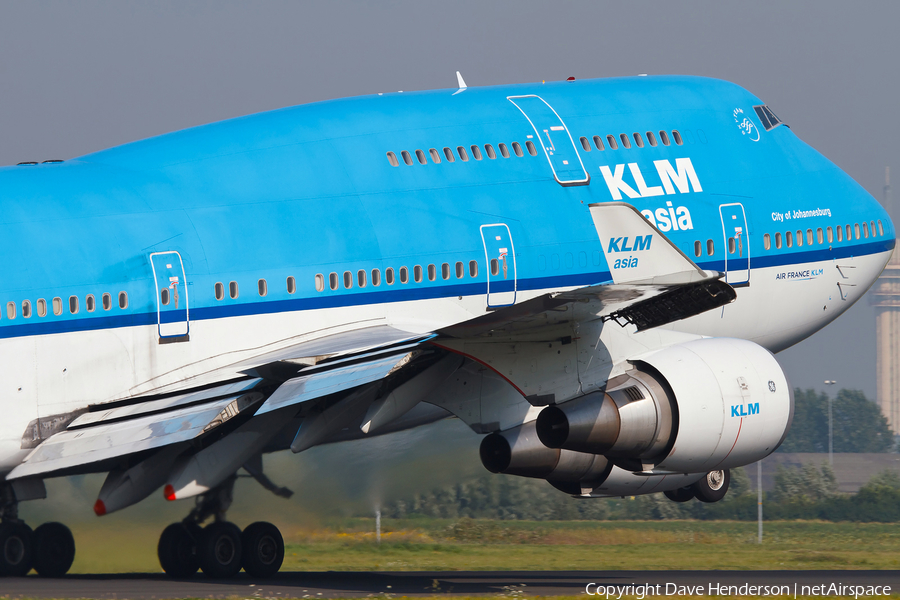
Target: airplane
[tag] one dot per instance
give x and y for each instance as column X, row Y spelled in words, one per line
column 594, row 274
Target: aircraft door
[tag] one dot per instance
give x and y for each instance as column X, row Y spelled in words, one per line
column 171, row 296
column 501, row 265
column 555, row 140
column 737, row 244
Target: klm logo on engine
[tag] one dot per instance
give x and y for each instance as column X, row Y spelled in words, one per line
column 745, row 410
column 680, row 179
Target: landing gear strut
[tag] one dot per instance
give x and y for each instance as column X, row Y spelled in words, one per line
column 49, row 549
column 220, row 549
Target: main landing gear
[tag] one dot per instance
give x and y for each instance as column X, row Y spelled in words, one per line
column 220, row 549
column 49, row 549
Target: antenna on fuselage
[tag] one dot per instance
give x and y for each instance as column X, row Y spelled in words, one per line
column 461, row 81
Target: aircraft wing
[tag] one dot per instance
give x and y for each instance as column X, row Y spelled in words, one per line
column 368, row 376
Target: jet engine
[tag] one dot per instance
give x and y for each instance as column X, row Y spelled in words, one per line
column 518, row 451
column 699, row 406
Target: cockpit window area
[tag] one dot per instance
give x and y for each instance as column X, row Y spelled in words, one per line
column 767, row 117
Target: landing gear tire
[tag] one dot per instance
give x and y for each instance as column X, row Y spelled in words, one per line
column 54, row 550
column 713, row 486
column 262, row 549
column 16, row 549
column 684, row 494
column 219, row 550
column 177, row 550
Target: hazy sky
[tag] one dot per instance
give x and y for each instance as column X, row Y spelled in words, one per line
column 78, row 77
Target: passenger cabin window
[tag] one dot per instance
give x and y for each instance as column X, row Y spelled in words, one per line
column 698, row 248
column 840, row 233
column 788, row 239
column 611, row 142
column 11, row 310
column 435, row 157
column 460, row 270
column 473, row 268
column 778, row 240
column 651, row 138
column 392, row 158
column 233, row 289
column 333, row 280
column 445, row 271
column 732, row 247
column 518, row 149
column 73, row 305
column 164, row 296
column 263, row 287
column 361, row 278
column 820, row 236
column 585, row 144
column 531, row 149
column 348, row 280
column 406, row 157
column 220, row 291
column 865, row 229
column 490, row 151
column 880, row 228
column 638, row 139
column 89, row 303
column 504, row 151
column 872, row 227
column 389, row 276
column 849, row 233
column 677, row 136
column 462, row 154
column 320, row 283
column 626, row 143
column 448, row 154
column 799, row 237
column 421, row 157
column 495, row 266
column 664, row 137
column 809, row 237
column 432, row 273
column 767, row 241
column 476, row 152
column 376, row 277
column 404, row 275
column 598, row 142
column 291, row 284
column 417, row 273
column 710, row 247
column 41, row 307
column 26, row 309
column 57, row 306
column 830, row 233
column 123, row 300
column 856, row 230
column 106, row 299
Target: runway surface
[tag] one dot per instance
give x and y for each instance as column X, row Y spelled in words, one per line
column 333, row 584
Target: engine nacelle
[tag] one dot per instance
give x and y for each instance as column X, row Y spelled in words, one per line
column 518, row 451
column 704, row 405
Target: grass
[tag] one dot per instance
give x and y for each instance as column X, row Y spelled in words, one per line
column 433, row 544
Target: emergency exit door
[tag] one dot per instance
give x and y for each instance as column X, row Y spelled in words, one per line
column 552, row 136
column 171, row 296
column 737, row 244
column 501, row 265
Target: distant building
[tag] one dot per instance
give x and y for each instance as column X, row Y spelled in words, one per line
column 885, row 297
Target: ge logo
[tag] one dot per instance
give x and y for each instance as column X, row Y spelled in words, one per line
column 745, row 125
column 771, row 386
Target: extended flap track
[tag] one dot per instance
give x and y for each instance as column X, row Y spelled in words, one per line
column 675, row 304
